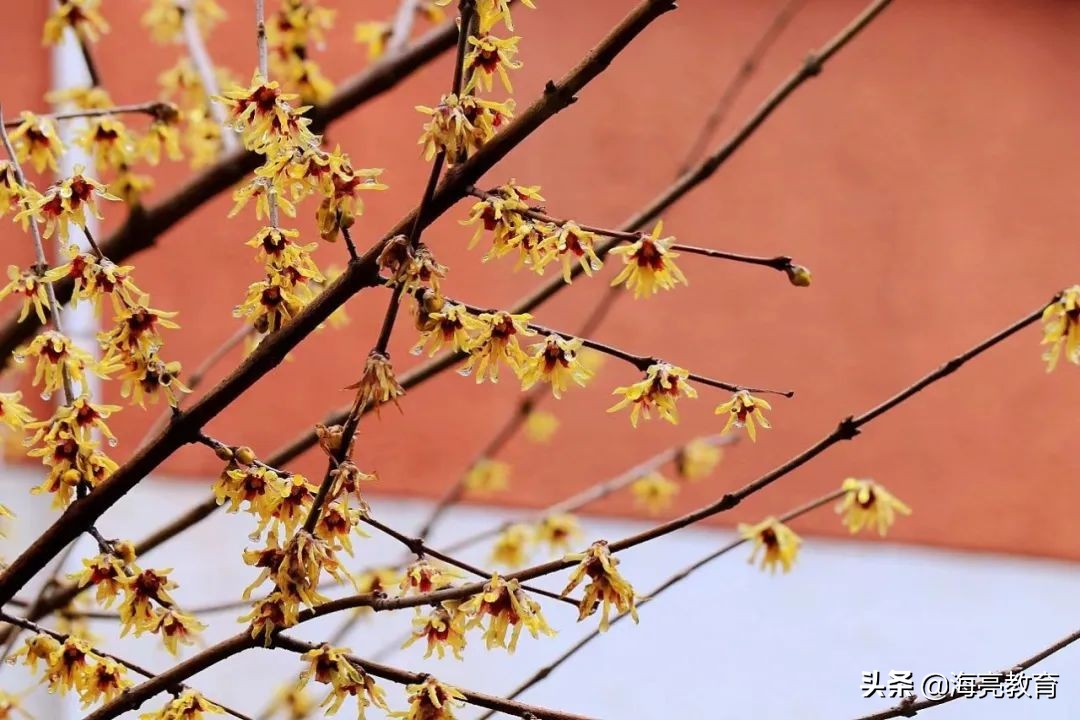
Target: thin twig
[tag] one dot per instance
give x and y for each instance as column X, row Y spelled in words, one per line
column 780, row 262
column 405, row 677
column 155, row 109
column 31, row 626
column 740, row 80
column 910, row 705
column 144, row 226
column 641, row 362
column 847, row 429
column 665, row 199
column 548, row 669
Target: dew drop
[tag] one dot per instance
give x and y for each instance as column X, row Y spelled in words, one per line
column 46, row 396
column 113, row 442
column 464, row 372
column 416, row 351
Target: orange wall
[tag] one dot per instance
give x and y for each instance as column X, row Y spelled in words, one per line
column 928, row 178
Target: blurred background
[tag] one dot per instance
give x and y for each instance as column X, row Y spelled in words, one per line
column 929, row 180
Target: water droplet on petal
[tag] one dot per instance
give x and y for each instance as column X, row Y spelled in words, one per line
column 46, row 396
column 113, row 442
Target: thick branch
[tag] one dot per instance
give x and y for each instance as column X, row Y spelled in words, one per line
column 358, row 275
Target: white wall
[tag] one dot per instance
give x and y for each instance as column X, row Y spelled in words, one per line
column 730, row 642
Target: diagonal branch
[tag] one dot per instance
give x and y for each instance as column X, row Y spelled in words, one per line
column 678, row 577
column 404, row 677
column 144, row 226
column 665, row 199
column 357, row 276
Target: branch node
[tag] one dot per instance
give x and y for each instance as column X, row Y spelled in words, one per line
column 813, row 65
column 847, row 429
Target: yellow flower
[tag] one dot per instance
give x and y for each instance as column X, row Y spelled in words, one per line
column 105, row 572
column 56, row 356
column 374, row 35
column 507, row 608
column 487, row 476
column 189, row 705
column 108, row 681
column 82, row 16
column 558, row 531
column 497, row 342
column 422, row 577
column 331, row 666
column 431, row 700
column 202, row 138
column 442, row 323
column 1061, row 328
column 162, row 136
column 461, row 126
column 35, row 139
column 744, row 411
column 650, row 265
column 540, row 426
column 292, row 702
column 661, row 388
column 37, row 648
column 34, row 291
column 11, row 707
column 66, row 202
column 95, row 277
column 264, row 115
column 489, row 55
column 270, row 304
column 176, row 628
column 654, row 492
column 108, row 141
column 137, row 332
column 142, row 591
column 146, row 376
column 554, row 360
column 867, row 504
column 165, row 18
column 697, row 459
column 377, row 385
column 412, row 269
column 442, row 628
column 130, row 186
column 778, row 543
column 12, row 193
column 512, row 545
column 605, row 586
column 572, row 243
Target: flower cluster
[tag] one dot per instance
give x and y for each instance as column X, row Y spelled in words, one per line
column 462, row 123
column 506, row 608
column 517, row 541
column 297, row 28
column 71, row 665
column 663, row 385
column 517, row 227
column 145, row 602
column 294, row 169
column 331, row 666
column 188, row 705
column 431, row 700
column 606, row 586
